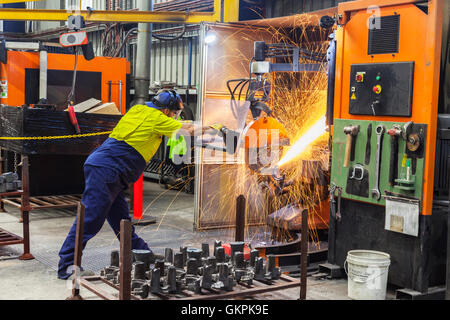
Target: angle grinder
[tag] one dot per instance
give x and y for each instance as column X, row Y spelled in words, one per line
column 230, row 137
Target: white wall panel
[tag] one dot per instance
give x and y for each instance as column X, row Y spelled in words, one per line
column 170, row 61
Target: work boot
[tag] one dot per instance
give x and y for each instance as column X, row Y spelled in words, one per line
column 69, row 276
column 83, row 273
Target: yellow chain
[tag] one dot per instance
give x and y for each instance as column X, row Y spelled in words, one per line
column 57, row 137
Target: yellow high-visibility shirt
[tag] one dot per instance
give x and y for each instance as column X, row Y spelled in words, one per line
column 142, row 128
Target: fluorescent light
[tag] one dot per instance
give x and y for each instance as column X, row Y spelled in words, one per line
column 210, row 37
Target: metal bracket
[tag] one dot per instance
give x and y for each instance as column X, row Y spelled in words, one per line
column 353, row 175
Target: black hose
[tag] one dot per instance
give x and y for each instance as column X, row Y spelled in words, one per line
column 233, row 103
column 163, row 38
column 125, row 40
column 242, row 82
column 240, row 91
column 228, row 85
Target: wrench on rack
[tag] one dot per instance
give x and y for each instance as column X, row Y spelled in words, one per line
column 338, row 212
column 376, row 190
column 332, row 200
column 335, row 214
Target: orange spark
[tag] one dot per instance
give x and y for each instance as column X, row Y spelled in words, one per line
column 304, row 141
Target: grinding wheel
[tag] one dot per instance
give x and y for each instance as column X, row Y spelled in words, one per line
column 413, row 142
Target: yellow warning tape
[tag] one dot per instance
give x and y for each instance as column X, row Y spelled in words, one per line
column 57, row 137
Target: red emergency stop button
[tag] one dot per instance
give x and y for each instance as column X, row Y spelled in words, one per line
column 377, row 89
column 359, row 77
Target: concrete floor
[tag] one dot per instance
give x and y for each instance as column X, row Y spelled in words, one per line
column 36, row 279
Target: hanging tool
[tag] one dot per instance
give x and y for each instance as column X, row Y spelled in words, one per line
column 332, row 200
column 413, row 139
column 351, row 132
column 71, row 111
column 406, row 130
column 376, row 190
column 368, row 144
column 338, row 212
column 75, row 40
column 413, row 142
column 394, row 132
column 375, row 105
column 408, row 170
column 357, row 176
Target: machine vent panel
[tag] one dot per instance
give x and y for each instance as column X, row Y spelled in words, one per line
column 384, row 34
column 442, row 167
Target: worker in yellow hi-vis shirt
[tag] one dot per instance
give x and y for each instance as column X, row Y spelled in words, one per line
column 119, row 161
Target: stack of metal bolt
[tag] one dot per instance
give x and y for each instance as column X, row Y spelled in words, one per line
column 9, row 181
column 193, row 269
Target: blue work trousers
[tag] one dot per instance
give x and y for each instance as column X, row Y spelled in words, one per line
column 103, row 198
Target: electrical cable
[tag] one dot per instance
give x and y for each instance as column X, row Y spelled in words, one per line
column 233, row 102
column 265, row 90
column 125, row 40
column 242, row 84
column 74, row 77
column 166, row 38
column 234, row 80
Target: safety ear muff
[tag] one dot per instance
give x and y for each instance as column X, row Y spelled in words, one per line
column 173, row 101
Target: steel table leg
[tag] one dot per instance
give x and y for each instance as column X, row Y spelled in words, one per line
column 304, row 255
column 78, row 254
column 125, row 260
column 25, row 209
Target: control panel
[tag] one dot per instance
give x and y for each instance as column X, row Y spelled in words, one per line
column 381, row 89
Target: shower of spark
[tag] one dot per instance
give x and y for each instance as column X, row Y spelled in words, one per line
column 313, row 133
column 298, row 100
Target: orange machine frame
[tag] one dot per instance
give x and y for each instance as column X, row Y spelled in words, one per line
column 112, row 69
column 425, row 51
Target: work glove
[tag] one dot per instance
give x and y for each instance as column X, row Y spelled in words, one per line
column 217, row 126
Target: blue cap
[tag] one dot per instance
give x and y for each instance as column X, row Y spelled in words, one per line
column 165, row 98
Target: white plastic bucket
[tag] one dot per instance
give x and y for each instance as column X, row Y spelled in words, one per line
column 367, row 274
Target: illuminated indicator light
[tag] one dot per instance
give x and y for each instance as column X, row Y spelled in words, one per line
column 359, row 77
column 378, row 78
column 377, row 89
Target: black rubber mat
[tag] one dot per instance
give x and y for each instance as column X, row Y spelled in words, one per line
column 93, row 259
